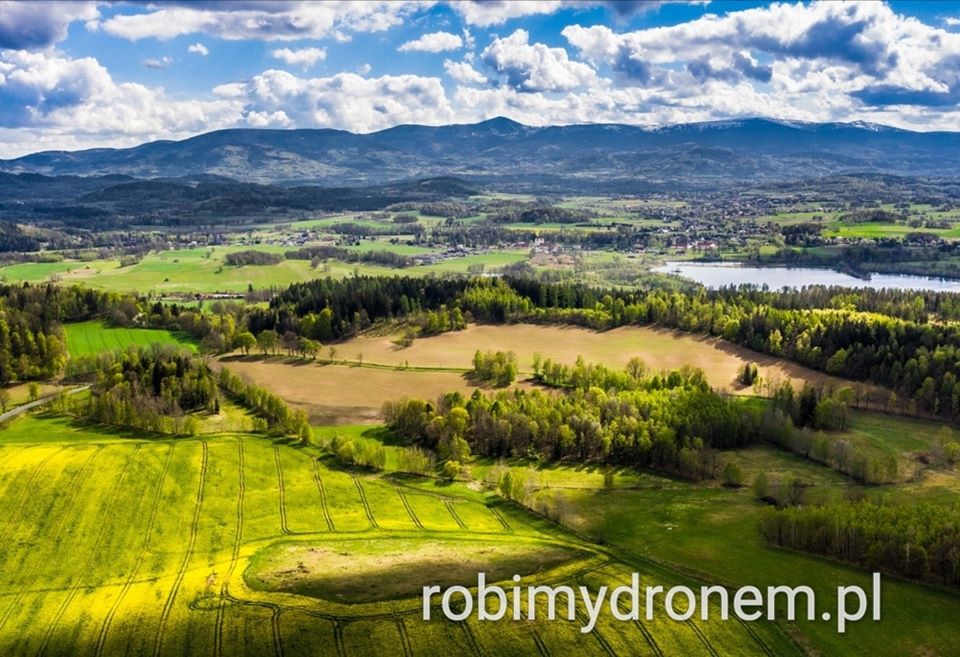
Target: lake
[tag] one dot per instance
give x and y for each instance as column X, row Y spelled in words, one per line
column 715, row 275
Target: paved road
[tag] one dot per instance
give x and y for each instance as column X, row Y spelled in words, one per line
column 14, row 412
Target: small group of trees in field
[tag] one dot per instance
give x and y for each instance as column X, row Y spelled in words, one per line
column 358, row 451
column 154, row 389
column 497, row 368
column 670, row 421
column 748, row 374
column 269, row 342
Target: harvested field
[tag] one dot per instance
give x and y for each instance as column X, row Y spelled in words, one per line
column 659, row 348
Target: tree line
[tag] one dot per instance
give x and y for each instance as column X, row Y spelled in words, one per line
column 918, row 540
column 274, row 414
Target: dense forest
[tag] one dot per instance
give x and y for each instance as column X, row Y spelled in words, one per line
column 920, row 540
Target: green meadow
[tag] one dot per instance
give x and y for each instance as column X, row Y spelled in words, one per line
column 94, row 337
column 202, row 270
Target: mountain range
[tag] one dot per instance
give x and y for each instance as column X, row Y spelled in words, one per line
column 605, row 156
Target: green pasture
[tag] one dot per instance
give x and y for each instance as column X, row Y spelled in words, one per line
column 95, row 337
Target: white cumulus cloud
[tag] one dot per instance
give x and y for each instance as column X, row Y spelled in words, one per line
column 280, row 20
column 464, row 73
column 346, row 100
column 484, row 13
column 48, row 100
column 304, row 57
column 158, row 62
column 536, row 67
column 26, row 25
column 433, row 42
column 198, row 49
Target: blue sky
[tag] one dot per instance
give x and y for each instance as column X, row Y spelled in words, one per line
column 90, row 74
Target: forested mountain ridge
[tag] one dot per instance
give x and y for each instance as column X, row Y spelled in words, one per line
column 699, row 153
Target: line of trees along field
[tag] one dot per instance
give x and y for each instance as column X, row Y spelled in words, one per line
column 921, row 540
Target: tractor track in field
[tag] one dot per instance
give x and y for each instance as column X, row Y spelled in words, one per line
column 471, row 640
column 338, row 639
column 410, row 511
column 234, row 558
column 323, row 496
column 275, row 610
column 94, row 552
column 404, row 637
column 541, row 646
column 648, row 637
column 596, row 634
column 75, row 486
column 74, row 489
column 703, row 639
column 756, row 638
column 15, row 516
column 453, row 513
column 580, row 578
column 131, row 578
column 503, row 521
column 366, row 504
column 281, row 493
column 191, row 543
column 275, row 630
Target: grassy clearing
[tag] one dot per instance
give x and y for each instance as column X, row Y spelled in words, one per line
column 712, row 531
column 395, row 568
column 94, row 337
column 182, row 520
column 20, row 393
